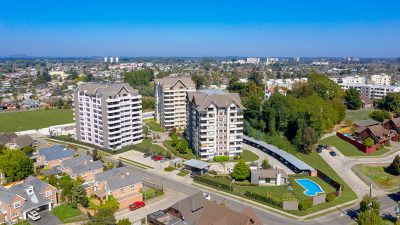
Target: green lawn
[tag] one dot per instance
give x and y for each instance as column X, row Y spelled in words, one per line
column 249, row 156
column 356, row 115
column 22, row 222
column 66, row 212
column 29, row 120
column 147, row 145
column 380, row 175
column 348, row 149
column 183, row 173
column 150, row 193
column 154, row 126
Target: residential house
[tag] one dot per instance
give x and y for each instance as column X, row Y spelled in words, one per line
column 271, row 176
column 31, row 194
column 197, row 210
column 377, row 132
column 83, row 167
column 118, row 182
column 14, row 141
column 392, row 124
column 52, row 156
column 366, row 102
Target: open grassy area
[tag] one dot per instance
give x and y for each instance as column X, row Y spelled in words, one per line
column 249, row 156
column 150, row 193
column 356, row 115
column 147, row 145
column 30, row 120
column 183, row 173
column 348, row 149
column 66, row 212
column 154, row 126
column 380, row 175
column 22, row 222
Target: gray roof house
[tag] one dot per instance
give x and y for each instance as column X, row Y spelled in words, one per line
column 14, row 141
column 56, row 152
column 80, row 165
column 197, row 166
column 115, row 179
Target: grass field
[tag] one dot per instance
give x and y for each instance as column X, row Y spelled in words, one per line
column 168, row 144
column 249, row 156
column 148, row 145
column 30, row 120
column 65, row 212
column 356, row 115
column 380, row 175
column 348, row 149
column 154, row 126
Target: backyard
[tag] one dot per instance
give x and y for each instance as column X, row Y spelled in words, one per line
column 154, row 126
column 379, row 174
column 360, row 114
column 249, row 156
column 276, row 194
column 348, row 149
column 67, row 214
column 35, row 119
column 168, row 144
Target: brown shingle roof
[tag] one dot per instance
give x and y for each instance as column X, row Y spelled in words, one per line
column 167, row 82
column 203, row 99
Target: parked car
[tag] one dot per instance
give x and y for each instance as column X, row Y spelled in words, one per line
column 332, row 153
column 163, row 160
column 145, row 155
column 319, row 150
column 157, row 158
column 136, row 205
column 207, row 196
column 33, row 215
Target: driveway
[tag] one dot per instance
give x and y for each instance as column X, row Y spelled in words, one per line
column 47, row 218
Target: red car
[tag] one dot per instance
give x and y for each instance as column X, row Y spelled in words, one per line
column 136, row 205
column 157, row 158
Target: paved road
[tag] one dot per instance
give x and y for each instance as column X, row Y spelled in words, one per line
column 342, row 165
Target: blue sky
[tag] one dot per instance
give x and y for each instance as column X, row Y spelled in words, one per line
column 200, row 28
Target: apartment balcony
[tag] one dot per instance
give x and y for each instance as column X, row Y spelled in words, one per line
column 112, row 100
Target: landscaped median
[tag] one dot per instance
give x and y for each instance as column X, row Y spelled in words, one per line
column 380, row 174
column 277, row 196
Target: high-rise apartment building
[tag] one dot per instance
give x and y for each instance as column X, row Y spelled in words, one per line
column 170, row 101
column 108, row 115
column 253, row 60
column 381, row 79
column 215, row 123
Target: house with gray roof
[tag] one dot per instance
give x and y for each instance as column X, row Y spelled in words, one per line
column 82, row 166
column 124, row 186
column 30, row 194
column 52, row 156
column 14, row 141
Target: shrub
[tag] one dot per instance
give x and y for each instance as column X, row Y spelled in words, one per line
column 213, row 172
column 221, row 158
column 169, row 169
column 305, row 204
column 330, row 197
column 368, row 142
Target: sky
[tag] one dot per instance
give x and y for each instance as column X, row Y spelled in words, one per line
column 304, row 28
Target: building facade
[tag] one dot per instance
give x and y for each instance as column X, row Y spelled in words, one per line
column 170, row 101
column 381, row 79
column 108, row 115
column 372, row 91
column 215, row 123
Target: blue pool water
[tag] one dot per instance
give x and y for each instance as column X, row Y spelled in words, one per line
column 312, row 188
column 347, row 135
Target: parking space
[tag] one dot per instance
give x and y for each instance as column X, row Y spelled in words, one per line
column 47, row 218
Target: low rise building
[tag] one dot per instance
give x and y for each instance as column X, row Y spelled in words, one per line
column 381, row 79
column 372, row 91
column 271, row 176
column 19, row 199
column 52, row 156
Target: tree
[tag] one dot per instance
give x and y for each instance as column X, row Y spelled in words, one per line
column 324, row 87
column 369, row 212
column 241, row 170
column 395, row 165
column 352, row 99
column 28, row 150
column 53, row 180
column 95, row 155
column 368, row 204
column 174, row 139
column 265, row 164
column 391, row 102
column 309, row 139
column 15, row 165
column 124, row 222
column 380, row 115
column 368, row 142
column 79, row 196
column 183, row 147
column 108, row 166
column 104, row 216
column 66, row 184
column 198, row 80
column 256, row 77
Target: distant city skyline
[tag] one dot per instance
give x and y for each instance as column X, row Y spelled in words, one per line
column 207, row 28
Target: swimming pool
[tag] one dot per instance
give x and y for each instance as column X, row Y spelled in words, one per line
column 312, row 188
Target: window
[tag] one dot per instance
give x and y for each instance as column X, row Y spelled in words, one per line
column 122, row 190
column 15, row 214
column 132, row 187
column 17, row 205
column 49, row 193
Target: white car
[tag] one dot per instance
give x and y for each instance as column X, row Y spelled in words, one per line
column 207, row 196
column 33, row 215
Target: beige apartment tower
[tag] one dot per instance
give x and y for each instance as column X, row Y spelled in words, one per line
column 108, row 115
column 215, row 123
column 170, row 101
